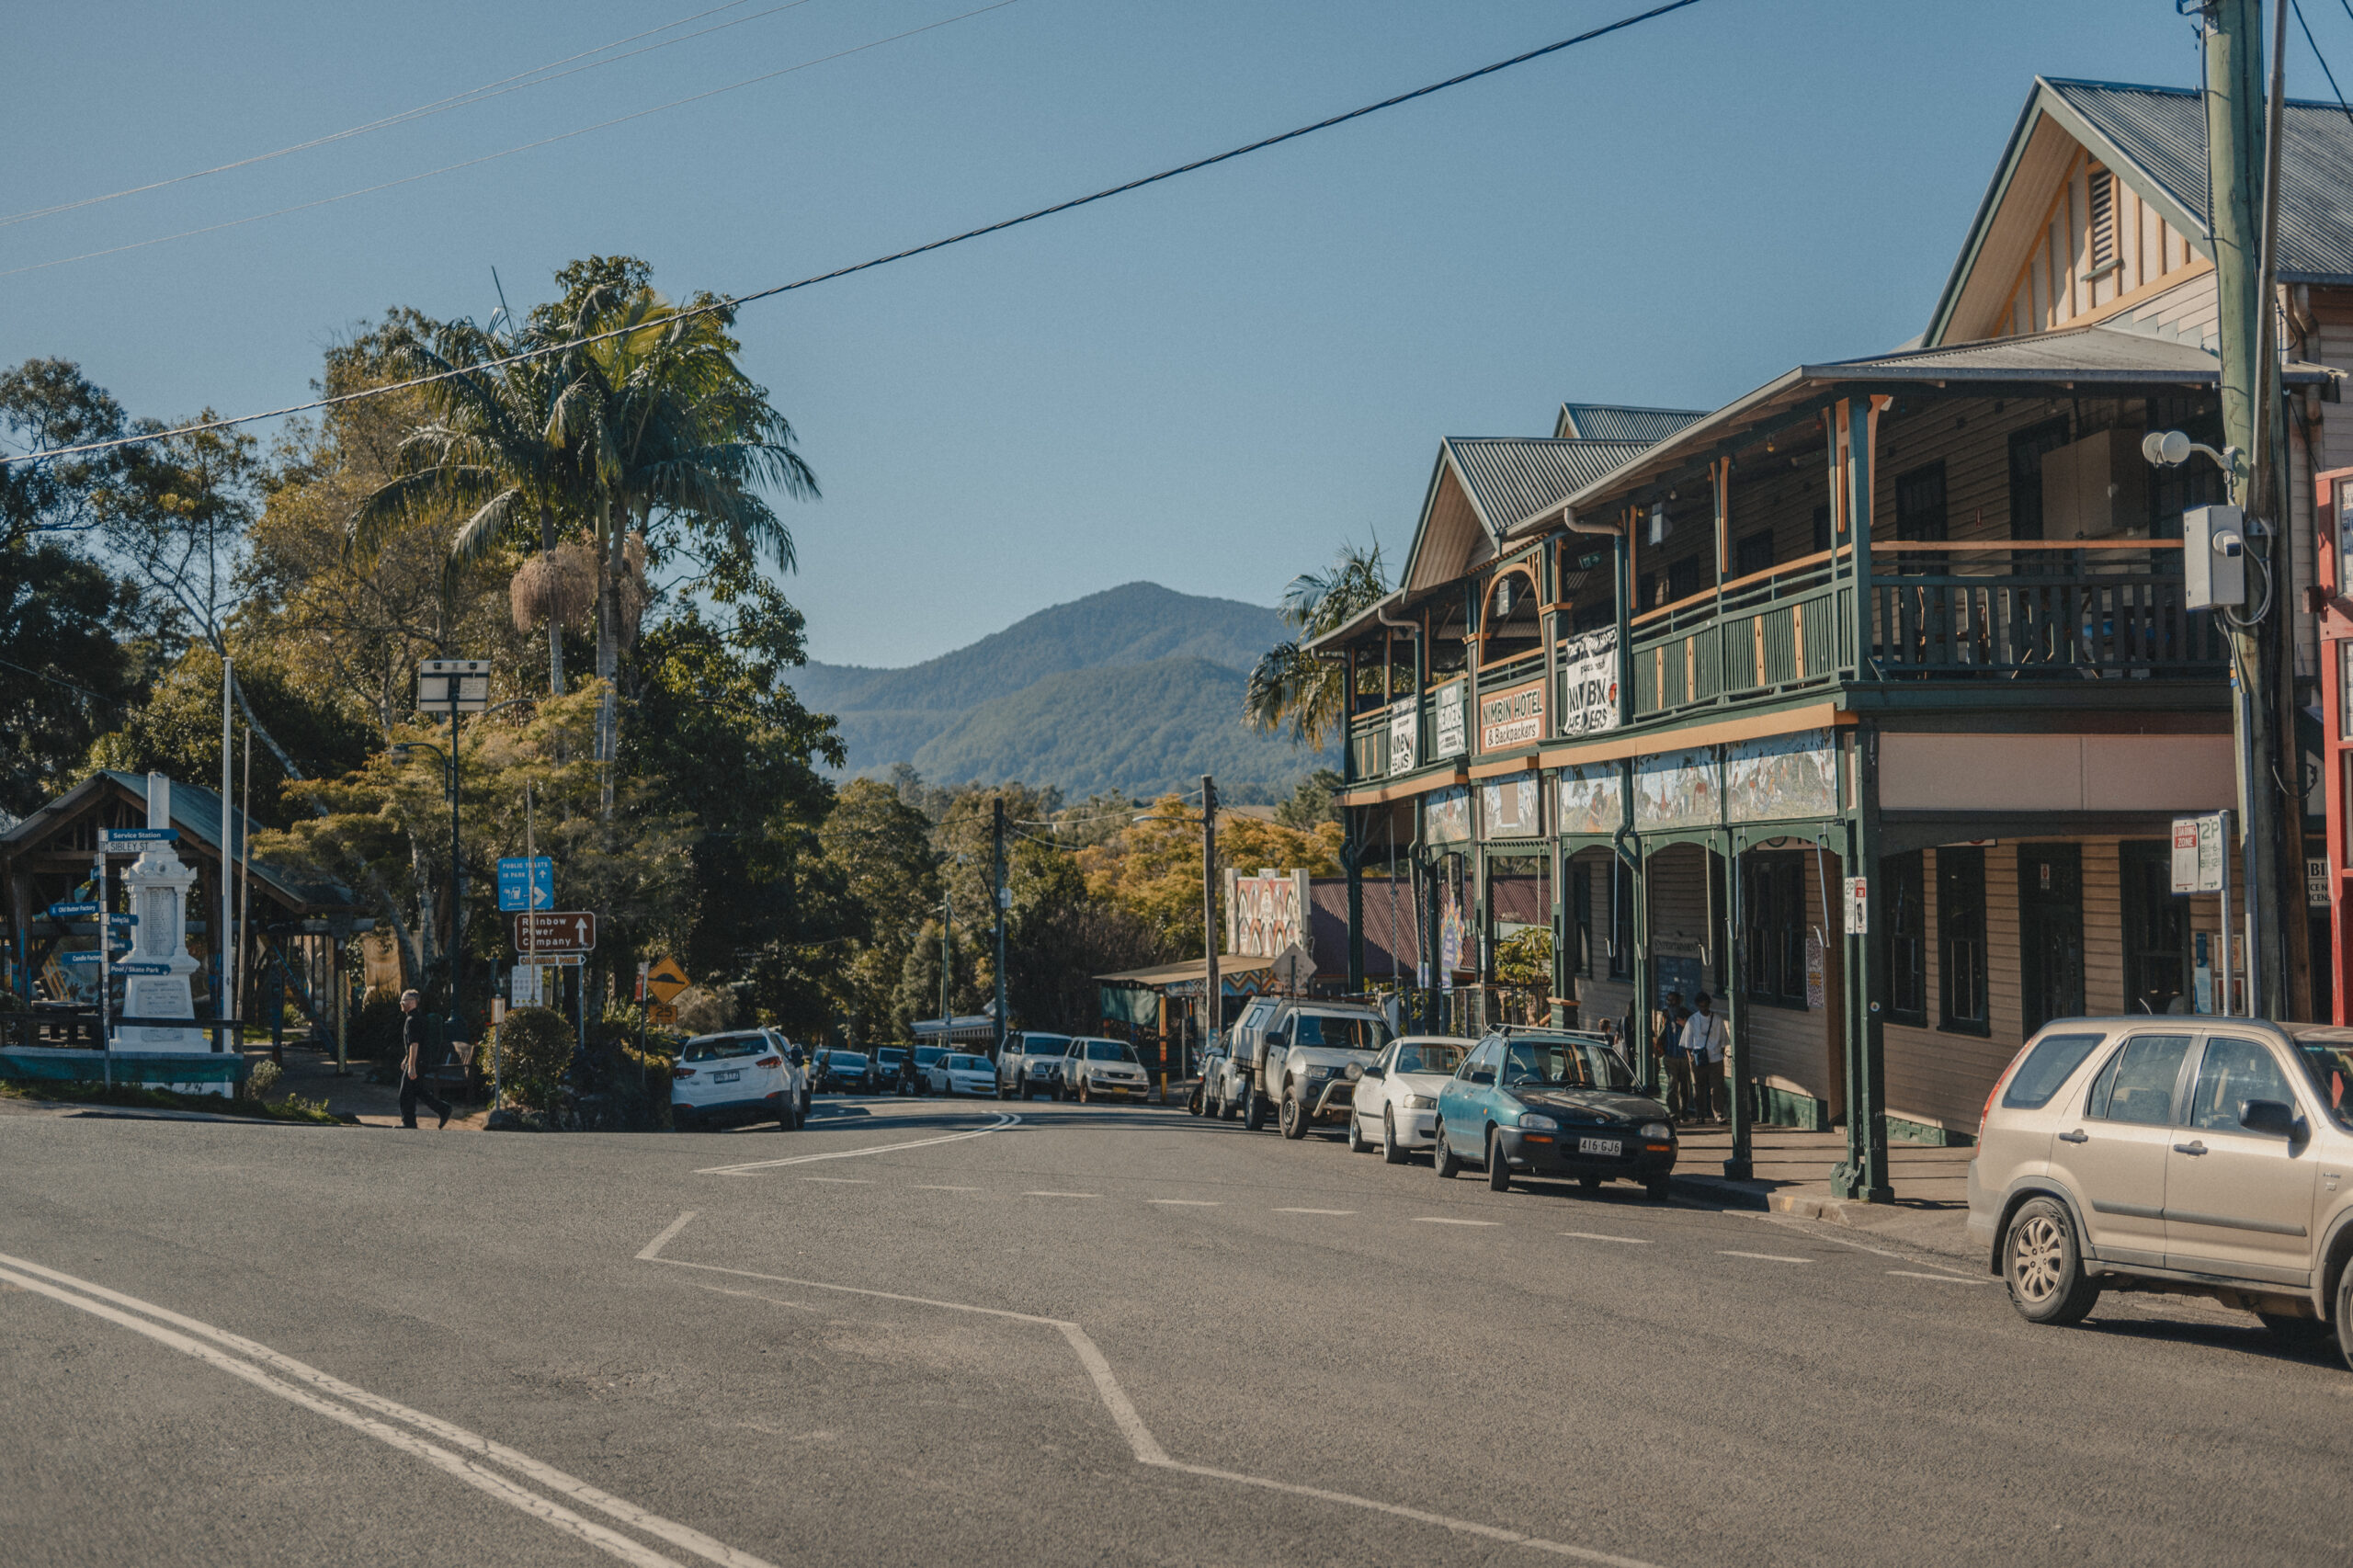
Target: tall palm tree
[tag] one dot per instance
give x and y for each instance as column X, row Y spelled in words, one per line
column 1291, row 686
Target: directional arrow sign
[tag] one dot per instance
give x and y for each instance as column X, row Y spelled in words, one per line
column 553, row 931
column 141, row 835
column 525, row 883
column 142, row 969
column 78, row 958
column 67, row 911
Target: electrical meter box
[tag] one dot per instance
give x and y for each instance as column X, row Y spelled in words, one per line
column 2213, row 557
column 2096, row 487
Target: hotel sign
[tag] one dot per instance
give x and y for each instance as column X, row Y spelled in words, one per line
column 1405, row 722
column 1512, row 718
column 1449, row 725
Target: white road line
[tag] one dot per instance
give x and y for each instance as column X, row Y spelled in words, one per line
column 1597, row 1236
column 1188, row 1202
column 653, row 1249
column 1939, row 1278
column 1336, row 1213
column 1043, row 1194
column 1440, row 1220
column 460, row 1464
column 1763, row 1256
column 1147, row 1448
column 841, row 1181
column 1004, row 1121
column 929, row 1187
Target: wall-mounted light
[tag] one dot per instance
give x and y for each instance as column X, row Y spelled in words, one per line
column 1502, row 598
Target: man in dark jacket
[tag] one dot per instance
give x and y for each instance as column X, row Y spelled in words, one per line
column 413, row 1049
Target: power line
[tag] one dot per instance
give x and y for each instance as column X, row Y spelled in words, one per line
column 510, row 152
column 2324, row 71
column 734, row 301
column 538, row 75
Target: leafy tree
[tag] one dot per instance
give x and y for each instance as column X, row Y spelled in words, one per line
column 46, row 404
column 68, row 670
column 1316, row 798
column 880, row 847
column 1153, row 867
column 1291, row 686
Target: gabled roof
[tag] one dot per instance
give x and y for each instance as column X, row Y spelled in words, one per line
column 2155, row 140
column 1613, row 422
column 1507, row 477
column 196, row 812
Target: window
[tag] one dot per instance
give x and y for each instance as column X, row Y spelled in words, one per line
column 1581, row 914
column 1920, row 502
column 1960, row 938
column 1822, row 528
column 2235, row 1071
column 1682, row 578
column 2046, row 1069
column 1907, row 939
column 1772, row 925
column 1621, row 919
column 2137, row 1084
column 1428, row 1058
column 1646, row 594
column 2028, row 448
column 1481, row 1067
column 1753, row 554
column 2103, row 205
column 2157, row 928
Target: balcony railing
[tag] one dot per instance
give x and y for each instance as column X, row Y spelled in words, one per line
column 1782, row 629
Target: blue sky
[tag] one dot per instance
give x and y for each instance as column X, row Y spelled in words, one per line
column 1210, row 384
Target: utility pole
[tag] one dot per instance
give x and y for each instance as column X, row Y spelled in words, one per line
column 2236, row 162
column 1003, row 896
column 947, row 936
column 1212, row 999
column 225, row 1005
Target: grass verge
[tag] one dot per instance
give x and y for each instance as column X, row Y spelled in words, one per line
column 130, row 1096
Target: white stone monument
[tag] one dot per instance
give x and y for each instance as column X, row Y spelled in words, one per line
column 159, row 883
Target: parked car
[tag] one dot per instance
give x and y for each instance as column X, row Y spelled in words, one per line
column 954, row 1073
column 849, row 1071
column 1395, row 1103
column 743, row 1075
column 891, row 1063
column 1293, row 1055
column 803, row 1070
column 1013, row 1064
column 2197, row 1156
column 924, row 1056
column 1198, row 1103
column 1096, row 1069
column 1552, row 1103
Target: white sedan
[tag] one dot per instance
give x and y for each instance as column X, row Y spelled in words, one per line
column 1396, row 1100
column 956, row 1074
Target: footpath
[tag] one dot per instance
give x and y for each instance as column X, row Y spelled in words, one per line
column 1791, row 1175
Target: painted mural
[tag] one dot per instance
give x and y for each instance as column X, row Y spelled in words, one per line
column 1447, row 817
column 1593, row 799
column 1512, row 808
column 1784, row 778
column 1678, row 789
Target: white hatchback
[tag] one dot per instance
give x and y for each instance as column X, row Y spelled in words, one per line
column 953, row 1073
column 1395, row 1104
column 742, row 1075
column 1096, row 1069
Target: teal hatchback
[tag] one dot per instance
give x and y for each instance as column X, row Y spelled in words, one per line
column 1552, row 1103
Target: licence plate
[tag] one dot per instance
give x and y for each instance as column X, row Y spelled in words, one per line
column 727, row 1077
column 1610, row 1146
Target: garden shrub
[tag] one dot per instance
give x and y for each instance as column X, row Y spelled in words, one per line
column 533, row 1047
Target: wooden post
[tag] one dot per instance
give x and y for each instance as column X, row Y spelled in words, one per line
column 1739, row 1164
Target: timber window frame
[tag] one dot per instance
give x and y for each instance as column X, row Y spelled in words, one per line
column 1961, row 941
column 1773, row 929
column 1621, row 919
column 1907, row 939
column 1581, row 910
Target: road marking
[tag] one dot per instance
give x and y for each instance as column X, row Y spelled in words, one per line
column 1764, row 1257
column 1061, row 1194
column 1004, row 1121
column 923, row 1187
column 1939, row 1278
column 1336, row 1214
column 1437, row 1220
column 1188, row 1202
column 1597, row 1236
column 1147, row 1448
column 653, row 1248
column 460, row 1464
column 841, row 1181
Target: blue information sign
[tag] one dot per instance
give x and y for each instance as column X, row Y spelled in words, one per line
column 89, row 956
column 67, row 911
column 520, row 877
column 142, row 969
column 141, row 835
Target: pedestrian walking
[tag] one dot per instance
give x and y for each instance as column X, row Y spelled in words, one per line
column 1704, row 1037
column 413, row 1087
column 1667, row 1038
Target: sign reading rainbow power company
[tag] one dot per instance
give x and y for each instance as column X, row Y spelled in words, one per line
column 1512, row 718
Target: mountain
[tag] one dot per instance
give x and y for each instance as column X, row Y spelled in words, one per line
column 1135, row 689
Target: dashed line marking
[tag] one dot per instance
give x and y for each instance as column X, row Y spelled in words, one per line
column 1061, row 1194
column 1597, row 1236
column 1441, row 1220
column 1939, row 1278
column 1336, row 1213
column 1764, row 1257
column 841, row 1181
column 924, row 1187
column 1188, row 1202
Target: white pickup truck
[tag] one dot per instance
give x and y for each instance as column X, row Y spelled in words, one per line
column 1292, row 1056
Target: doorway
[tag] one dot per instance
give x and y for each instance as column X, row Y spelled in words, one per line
column 2051, row 932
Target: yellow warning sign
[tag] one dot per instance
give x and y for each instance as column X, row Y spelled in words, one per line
column 665, row 980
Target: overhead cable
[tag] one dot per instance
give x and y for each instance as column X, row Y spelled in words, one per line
column 734, row 301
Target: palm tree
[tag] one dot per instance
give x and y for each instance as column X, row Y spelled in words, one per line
column 1289, row 685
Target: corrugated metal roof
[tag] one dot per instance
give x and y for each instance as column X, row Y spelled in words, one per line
column 1509, row 477
column 2090, row 353
column 2162, row 132
column 196, row 811
column 1613, row 422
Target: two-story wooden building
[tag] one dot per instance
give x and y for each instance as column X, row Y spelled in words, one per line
column 1866, row 700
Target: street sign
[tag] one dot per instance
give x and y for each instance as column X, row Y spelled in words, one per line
column 67, row 911
column 1858, row 906
column 548, row 931
column 90, row 956
column 519, row 876
column 445, row 686
column 665, row 980
column 142, row 969
column 661, row 1015
column 2197, row 853
column 119, row 835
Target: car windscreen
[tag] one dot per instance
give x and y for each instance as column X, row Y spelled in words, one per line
column 1109, row 1051
column 845, row 1061
column 2329, row 1065
column 967, row 1064
column 891, row 1053
column 724, row 1045
column 1563, row 1064
column 1044, row 1044
column 2050, row 1064
column 1339, row 1033
column 1428, row 1058
column 927, row 1054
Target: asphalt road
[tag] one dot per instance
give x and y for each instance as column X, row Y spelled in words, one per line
column 1080, row 1336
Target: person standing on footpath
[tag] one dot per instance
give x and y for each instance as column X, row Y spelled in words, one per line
column 413, row 1087
column 1667, row 1038
column 1704, row 1037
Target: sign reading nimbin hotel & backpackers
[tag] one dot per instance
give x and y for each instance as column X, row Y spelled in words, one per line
column 1512, row 718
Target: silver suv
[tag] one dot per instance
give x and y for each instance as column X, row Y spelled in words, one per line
column 2188, row 1154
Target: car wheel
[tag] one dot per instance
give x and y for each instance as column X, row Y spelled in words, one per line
column 1442, row 1156
column 1357, row 1143
column 681, row 1119
column 1589, row 1184
column 1295, row 1115
column 1498, row 1167
column 2345, row 1316
column 2043, row 1265
column 1025, row 1091
column 1086, row 1095
column 1393, row 1152
column 2297, row 1333
column 1253, row 1109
